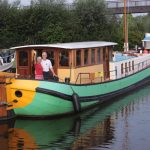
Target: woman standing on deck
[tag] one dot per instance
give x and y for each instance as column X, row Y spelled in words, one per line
column 38, row 69
column 47, row 67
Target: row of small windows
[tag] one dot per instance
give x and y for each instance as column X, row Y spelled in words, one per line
column 84, row 57
column 127, row 67
column 88, row 57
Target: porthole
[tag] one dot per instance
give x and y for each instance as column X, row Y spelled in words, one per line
column 18, row 94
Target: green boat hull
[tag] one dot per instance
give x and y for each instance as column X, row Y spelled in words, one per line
column 67, row 129
column 55, row 99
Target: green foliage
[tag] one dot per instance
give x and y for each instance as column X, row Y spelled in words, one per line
column 92, row 19
column 51, row 21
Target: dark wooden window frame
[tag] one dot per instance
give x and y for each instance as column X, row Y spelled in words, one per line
column 132, row 65
column 129, row 66
column 89, row 57
column 126, row 67
column 69, row 57
column 122, row 69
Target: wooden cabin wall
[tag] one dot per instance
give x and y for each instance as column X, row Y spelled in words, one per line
column 27, row 71
column 82, row 57
column 106, row 57
column 101, row 55
column 88, row 69
column 96, row 54
column 110, row 53
column 75, row 70
column 72, row 69
column 63, row 73
column 72, row 61
column 89, row 56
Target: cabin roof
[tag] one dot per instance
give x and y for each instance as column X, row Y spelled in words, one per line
column 73, row 45
column 147, row 38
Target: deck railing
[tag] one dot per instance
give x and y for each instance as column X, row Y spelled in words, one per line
column 114, row 73
column 91, row 78
column 137, row 67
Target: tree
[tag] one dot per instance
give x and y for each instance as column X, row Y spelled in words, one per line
column 92, row 19
column 52, row 21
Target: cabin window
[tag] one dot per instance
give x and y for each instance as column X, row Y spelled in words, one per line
column 23, row 58
column 132, row 65
column 93, row 56
column 122, row 71
column 126, row 68
column 38, row 52
column 99, row 56
column 78, row 57
column 86, row 56
column 129, row 66
column 64, row 58
column 50, row 56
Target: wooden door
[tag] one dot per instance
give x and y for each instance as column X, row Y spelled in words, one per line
column 24, row 63
column 106, row 62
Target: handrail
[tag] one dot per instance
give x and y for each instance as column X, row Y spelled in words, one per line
column 79, row 75
column 145, row 64
column 138, row 65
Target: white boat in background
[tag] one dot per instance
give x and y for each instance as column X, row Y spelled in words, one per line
column 7, row 62
column 126, row 64
column 146, row 42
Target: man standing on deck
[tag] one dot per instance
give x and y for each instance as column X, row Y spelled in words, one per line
column 48, row 71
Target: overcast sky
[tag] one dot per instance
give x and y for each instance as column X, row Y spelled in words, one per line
column 27, row 2
column 23, row 2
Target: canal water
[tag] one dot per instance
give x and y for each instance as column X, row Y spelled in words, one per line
column 121, row 125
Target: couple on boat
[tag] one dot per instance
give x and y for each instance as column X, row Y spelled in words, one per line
column 44, row 69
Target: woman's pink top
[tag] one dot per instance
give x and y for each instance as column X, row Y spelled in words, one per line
column 38, row 71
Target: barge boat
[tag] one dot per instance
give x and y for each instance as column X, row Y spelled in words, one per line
column 89, row 73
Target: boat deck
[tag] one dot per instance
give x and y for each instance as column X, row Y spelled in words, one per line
column 120, row 57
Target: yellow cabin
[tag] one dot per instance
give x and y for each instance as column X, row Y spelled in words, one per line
column 78, row 62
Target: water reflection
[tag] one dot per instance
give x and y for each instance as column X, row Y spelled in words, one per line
column 96, row 136
column 5, row 131
column 94, row 129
